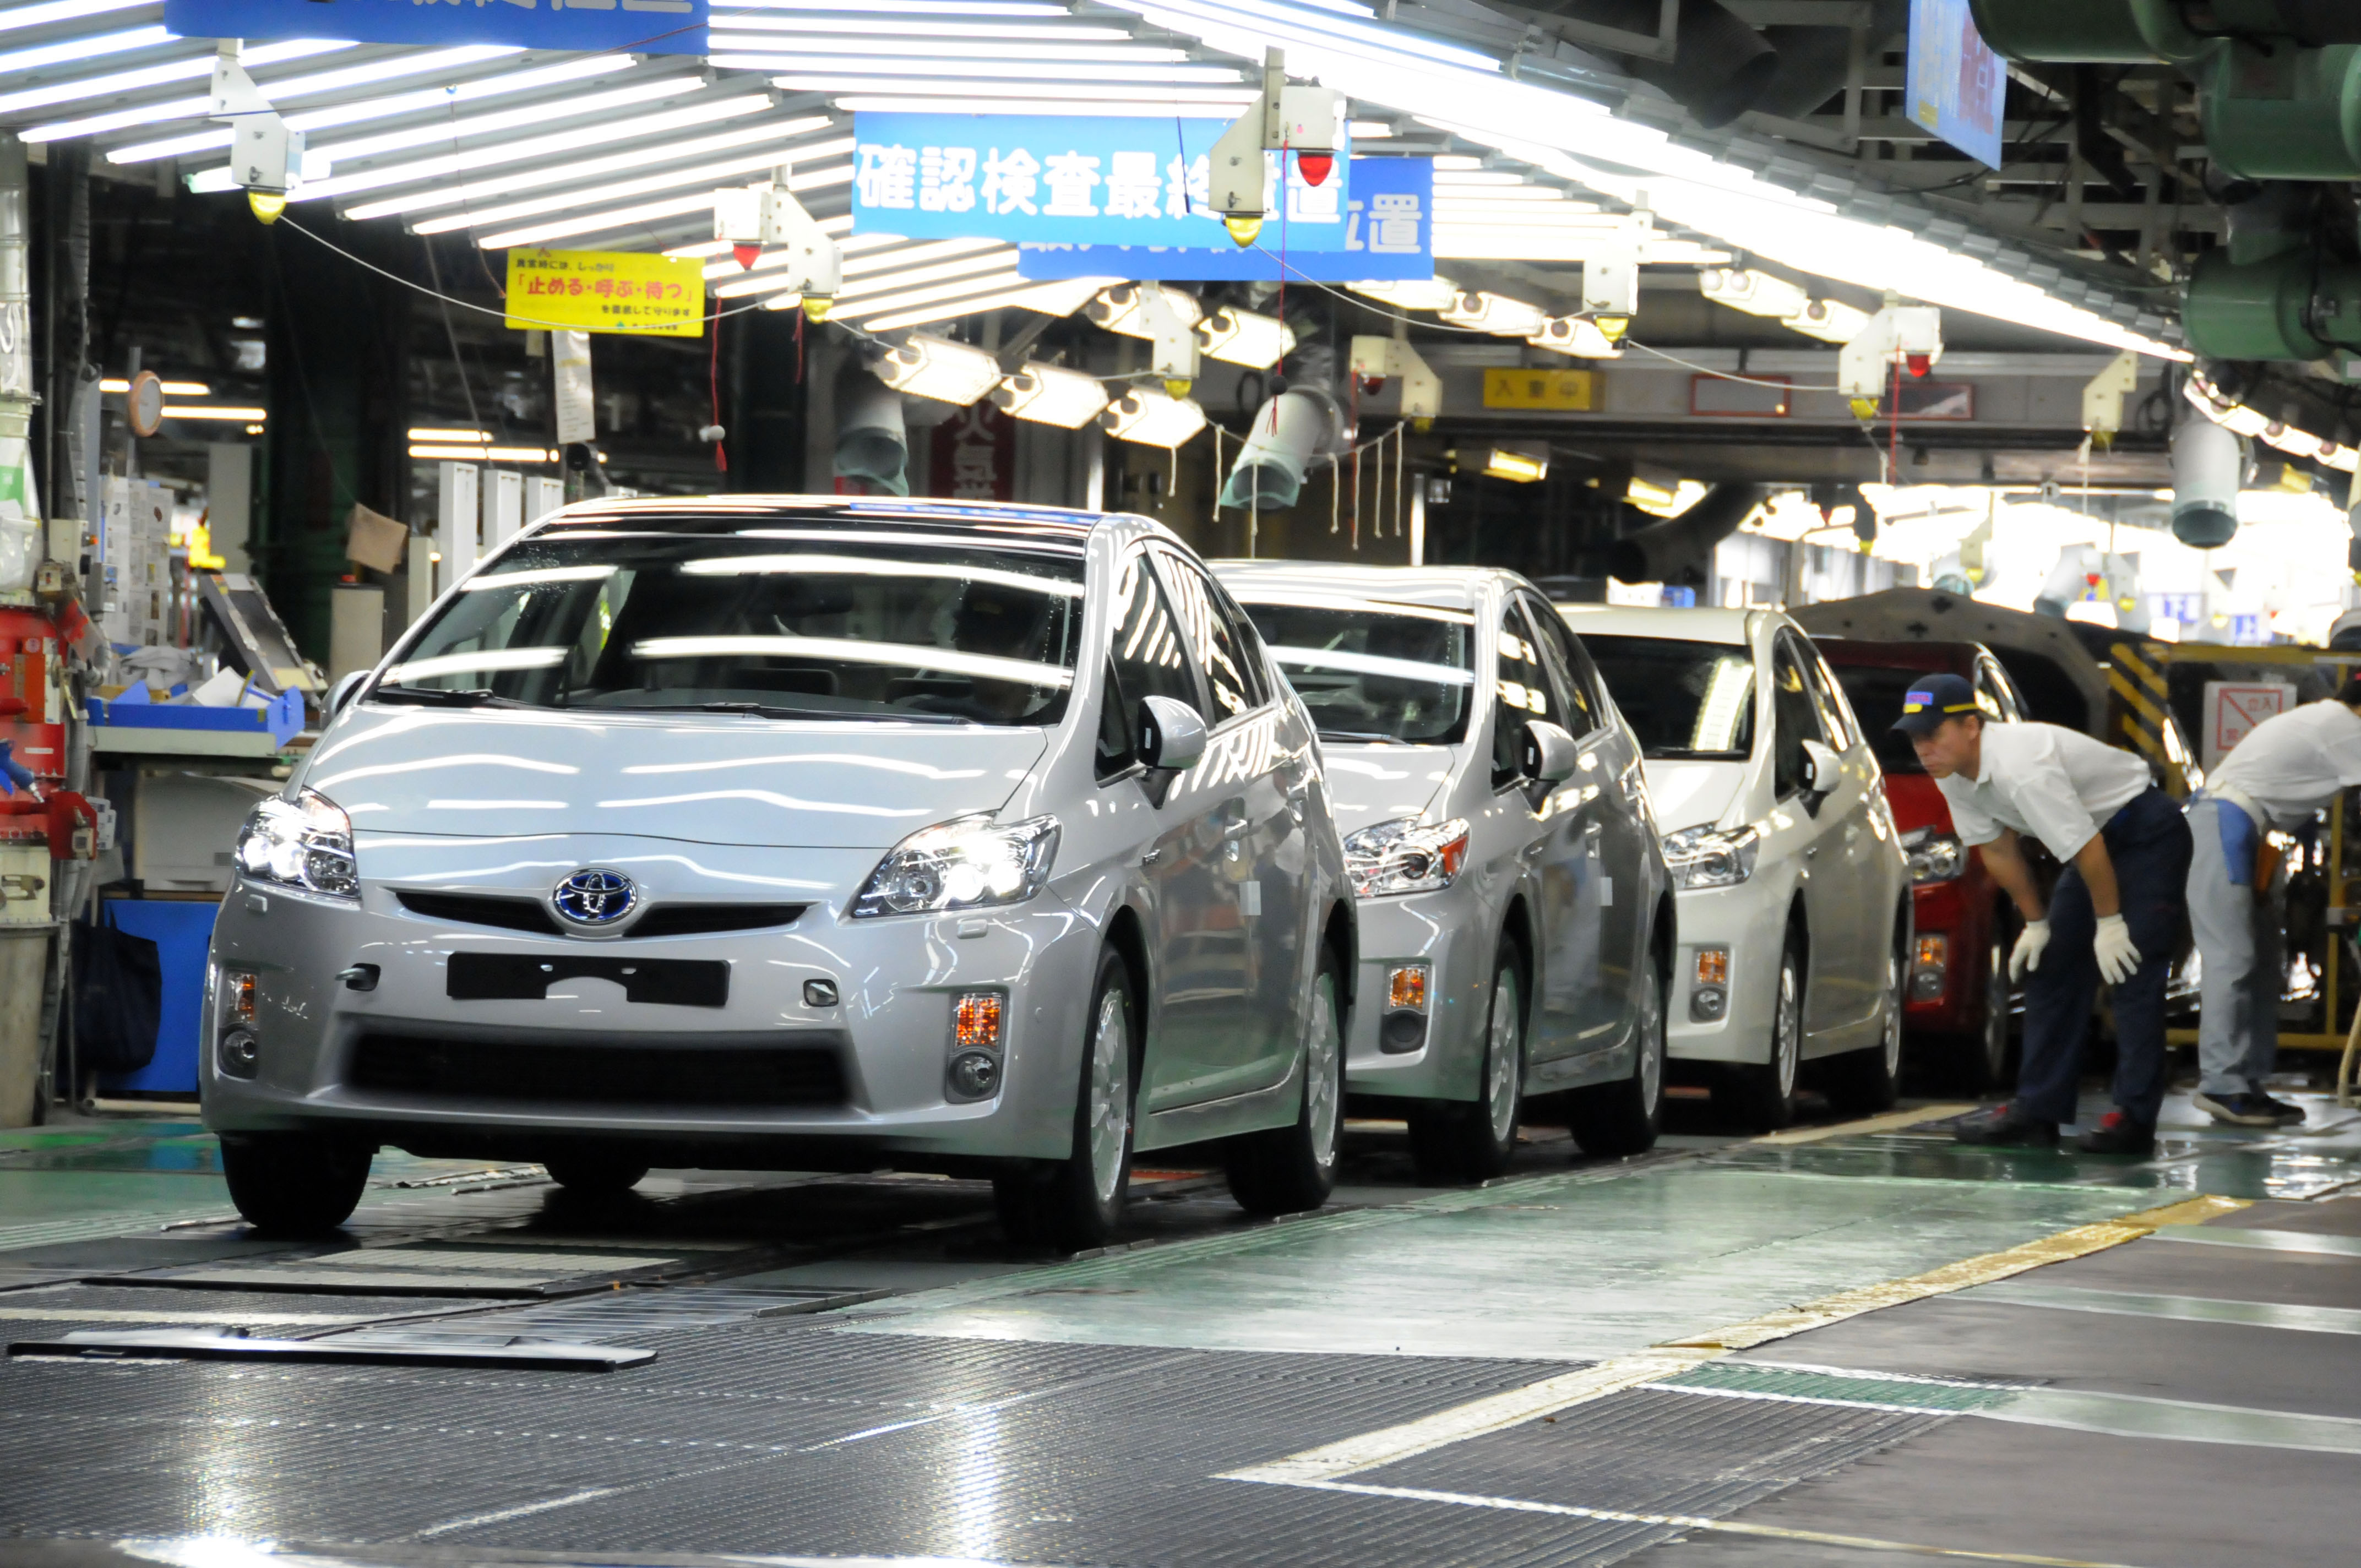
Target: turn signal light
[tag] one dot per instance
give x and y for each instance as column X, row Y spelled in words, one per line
column 1713, row 966
column 241, row 996
column 1406, row 988
column 975, row 1020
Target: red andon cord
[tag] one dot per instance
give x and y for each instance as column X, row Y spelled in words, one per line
column 713, row 383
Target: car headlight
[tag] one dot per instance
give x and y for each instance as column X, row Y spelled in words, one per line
column 969, row 862
column 1405, row 855
column 1934, row 856
column 305, row 843
column 1711, row 857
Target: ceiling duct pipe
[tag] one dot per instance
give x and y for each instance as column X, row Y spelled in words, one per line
column 1680, row 551
column 1719, row 65
column 1816, row 62
column 873, row 442
column 2208, row 465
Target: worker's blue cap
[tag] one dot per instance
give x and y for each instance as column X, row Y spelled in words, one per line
column 1930, row 701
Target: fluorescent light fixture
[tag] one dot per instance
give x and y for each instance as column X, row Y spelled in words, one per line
column 1577, row 336
column 172, row 388
column 767, row 155
column 1046, row 394
column 1118, row 309
column 1169, row 90
column 1220, row 108
column 903, row 8
column 1497, row 314
column 1436, row 293
column 88, row 47
column 1756, row 294
column 1830, row 321
column 1370, row 130
column 1062, row 298
column 968, row 291
column 1243, row 338
column 426, row 433
column 862, row 53
column 1152, row 419
column 213, row 411
column 962, row 75
column 854, row 267
column 66, row 11
column 741, row 20
column 485, row 453
column 936, row 367
column 122, row 81
column 1000, row 258
column 1508, row 463
column 700, row 202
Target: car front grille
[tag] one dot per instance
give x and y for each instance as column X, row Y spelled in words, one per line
column 511, row 914
column 608, row 1072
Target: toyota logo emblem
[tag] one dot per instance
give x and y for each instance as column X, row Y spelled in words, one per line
column 594, row 896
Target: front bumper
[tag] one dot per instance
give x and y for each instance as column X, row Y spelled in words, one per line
column 1750, row 922
column 1453, row 931
column 382, row 1063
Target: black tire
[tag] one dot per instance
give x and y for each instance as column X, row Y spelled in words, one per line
column 294, row 1184
column 1079, row 1201
column 1289, row 1169
column 1979, row 1062
column 1862, row 1084
column 1459, row 1140
column 594, row 1175
column 1624, row 1117
column 1760, row 1096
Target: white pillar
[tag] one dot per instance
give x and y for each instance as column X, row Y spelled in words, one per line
column 355, row 630
column 421, row 574
column 503, row 508
column 1418, row 519
column 229, row 500
column 456, row 509
column 543, row 496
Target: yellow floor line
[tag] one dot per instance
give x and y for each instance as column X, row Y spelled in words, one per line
column 1718, row 1527
column 1331, row 1462
column 1893, row 1120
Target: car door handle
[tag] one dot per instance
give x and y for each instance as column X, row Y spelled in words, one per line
column 1234, row 826
column 1150, row 857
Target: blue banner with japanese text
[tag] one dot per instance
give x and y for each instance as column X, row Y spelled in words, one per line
column 643, row 26
column 1388, row 235
column 1066, row 179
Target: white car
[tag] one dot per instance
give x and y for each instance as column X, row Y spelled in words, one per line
column 1792, row 883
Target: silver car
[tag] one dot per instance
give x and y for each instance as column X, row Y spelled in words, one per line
column 805, row 833
column 1516, row 931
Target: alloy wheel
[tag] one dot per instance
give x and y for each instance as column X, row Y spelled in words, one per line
column 1110, row 1123
column 1503, row 1057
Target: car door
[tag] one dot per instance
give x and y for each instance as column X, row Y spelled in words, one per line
column 1803, row 829
column 1597, row 808
column 1261, row 866
column 1553, row 857
column 1862, row 848
column 1193, row 912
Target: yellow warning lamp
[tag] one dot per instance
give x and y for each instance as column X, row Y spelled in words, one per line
column 1612, row 328
column 816, row 306
column 1177, row 387
column 266, row 205
column 1243, row 230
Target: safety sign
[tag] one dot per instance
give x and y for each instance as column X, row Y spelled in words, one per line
column 2233, row 709
column 606, row 290
column 643, row 26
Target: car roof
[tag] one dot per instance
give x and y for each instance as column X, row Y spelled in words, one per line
column 1443, row 587
column 1954, row 658
column 726, row 513
column 1688, row 625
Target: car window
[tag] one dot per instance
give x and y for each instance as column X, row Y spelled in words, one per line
column 1221, row 658
column 1794, row 718
column 1835, row 715
column 1369, row 670
column 1520, row 691
column 1875, row 692
column 1145, row 659
column 1682, row 699
column 1577, row 709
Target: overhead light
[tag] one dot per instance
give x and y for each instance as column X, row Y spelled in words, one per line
column 840, row 30
column 1436, row 293
column 1243, row 338
column 213, row 411
column 1152, row 419
column 1081, row 103
column 172, row 388
column 60, row 11
column 487, row 453
column 1048, row 394
column 1508, row 463
column 1062, row 298
column 862, row 53
column 1001, row 258
column 936, row 367
column 1577, row 336
column 1119, row 309
column 971, row 294
column 1496, row 313
column 88, row 47
column 633, row 216
column 1756, row 294
column 1163, row 93
column 767, row 154
column 1830, row 321
column 437, row 434
column 1370, row 130
column 123, row 81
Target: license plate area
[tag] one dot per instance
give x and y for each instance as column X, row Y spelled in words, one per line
column 527, row 977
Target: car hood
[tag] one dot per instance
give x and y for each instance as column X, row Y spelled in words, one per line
column 1686, row 794
column 493, row 773
column 1379, row 783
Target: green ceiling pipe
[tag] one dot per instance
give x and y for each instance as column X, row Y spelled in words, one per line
column 2284, row 112
column 2298, row 306
column 2094, row 32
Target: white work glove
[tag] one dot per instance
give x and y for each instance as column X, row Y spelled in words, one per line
column 2027, row 954
column 2117, row 958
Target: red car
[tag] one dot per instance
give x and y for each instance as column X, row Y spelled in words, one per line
column 1958, row 1017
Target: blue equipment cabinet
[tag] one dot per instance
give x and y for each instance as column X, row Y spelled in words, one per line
column 181, row 930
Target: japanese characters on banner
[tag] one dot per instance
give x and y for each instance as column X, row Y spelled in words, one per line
column 1067, row 180
column 975, row 456
column 1956, row 87
column 607, row 290
column 643, row 26
column 1389, row 234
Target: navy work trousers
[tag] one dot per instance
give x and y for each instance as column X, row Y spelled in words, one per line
column 2148, row 842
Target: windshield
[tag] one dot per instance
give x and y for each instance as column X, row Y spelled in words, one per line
column 1371, row 672
column 1876, row 698
column 817, row 623
column 1684, row 700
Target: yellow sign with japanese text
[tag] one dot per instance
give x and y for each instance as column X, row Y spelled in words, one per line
column 607, row 290
column 1518, row 389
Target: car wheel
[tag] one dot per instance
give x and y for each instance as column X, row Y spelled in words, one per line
column 294, row 1184
column 1457, row 1140
column 1623, row 1117
column 1079, row 1201
column 1862, row 1084
column 1981, row 1063
column 1289, row 1169
column 595, row 1175
column 1762, row 1096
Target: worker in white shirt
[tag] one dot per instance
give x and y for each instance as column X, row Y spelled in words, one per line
column 2115, row 913
column 2286, row 769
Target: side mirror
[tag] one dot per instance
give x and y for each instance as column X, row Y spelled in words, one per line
column 1821, row 768
column 341, row 692
column 1546, row 753
column 1171, row 737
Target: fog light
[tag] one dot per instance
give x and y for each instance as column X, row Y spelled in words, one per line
column 820, row 993
column 1713, row 966
column 240, row 1054
column 974, row 1075
column 239, row 986
column 1401, row 1033
column 1707, row 1003
column 975, row 1020
column 1931, row 967
column 1406, row 988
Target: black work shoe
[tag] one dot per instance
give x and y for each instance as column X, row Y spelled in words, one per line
column 2282, row 1114
column 2117, row 1134
column 2243, row 1110
column 2004, row 1127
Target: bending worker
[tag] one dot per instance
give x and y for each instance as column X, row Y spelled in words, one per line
column 2116, row 910
column 2286, row 769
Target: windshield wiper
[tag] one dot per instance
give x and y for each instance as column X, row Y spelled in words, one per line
column 444, row 696
column 781, row 711
column 1365, row 736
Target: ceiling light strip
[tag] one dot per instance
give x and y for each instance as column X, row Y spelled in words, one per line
column 589, row 169
column 63, row 11
column 707, row 175
column 122, row 81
